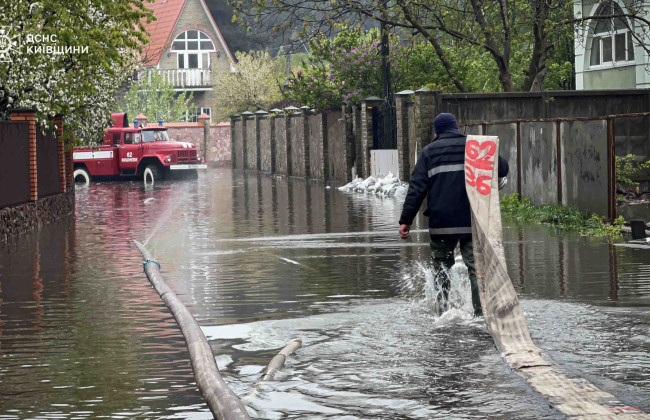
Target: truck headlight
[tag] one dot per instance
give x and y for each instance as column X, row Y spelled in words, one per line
column 168, row 158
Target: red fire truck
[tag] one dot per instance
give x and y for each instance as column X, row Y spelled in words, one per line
column 136, row 151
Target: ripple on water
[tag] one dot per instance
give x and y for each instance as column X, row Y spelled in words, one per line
column 262, row 260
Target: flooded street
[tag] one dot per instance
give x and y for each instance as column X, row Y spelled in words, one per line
column 260, row 261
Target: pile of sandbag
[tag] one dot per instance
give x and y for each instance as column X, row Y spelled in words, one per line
column 387, row 186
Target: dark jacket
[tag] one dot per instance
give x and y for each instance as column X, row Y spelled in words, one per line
column 440, row 175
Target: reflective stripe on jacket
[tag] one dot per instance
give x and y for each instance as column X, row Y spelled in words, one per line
column 439, row 175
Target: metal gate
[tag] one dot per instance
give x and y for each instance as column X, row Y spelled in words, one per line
column 384, row 126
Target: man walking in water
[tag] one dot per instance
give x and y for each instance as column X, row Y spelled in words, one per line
column 439, row 175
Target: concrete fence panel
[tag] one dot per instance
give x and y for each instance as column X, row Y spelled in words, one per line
column 474, row 129
column 297, row 140
column 251, row 144
column 507, row 134
column 338, row 167
column 483, row 107
column 265, row 145
column 539, row 162
column 545, row 104
column 631, row 135
column 317, row 138
column 584, row 168
column 281, row 158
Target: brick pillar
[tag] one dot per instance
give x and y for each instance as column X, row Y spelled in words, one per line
column 204, row 119
column 259, row 115
column 142, row 120
column 58, row 121
column 367, row 106
column 233, row 160
column 29, row 116
column 356, row 134
column 402, row 100
column 287, row 116
column 350, row 145
column 69, row 163
column 244, row 138
column 426, row 110
column 274, row 114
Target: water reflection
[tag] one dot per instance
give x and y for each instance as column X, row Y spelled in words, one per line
column 260, row 260
column 552, row 264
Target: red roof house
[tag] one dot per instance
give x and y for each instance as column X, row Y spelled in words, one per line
column 186, row 48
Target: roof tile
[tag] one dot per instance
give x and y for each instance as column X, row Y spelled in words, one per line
column 167, row 13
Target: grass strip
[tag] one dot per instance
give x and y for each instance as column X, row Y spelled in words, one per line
column 516, row 209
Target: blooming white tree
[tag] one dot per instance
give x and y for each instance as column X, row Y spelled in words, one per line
column 69, row 58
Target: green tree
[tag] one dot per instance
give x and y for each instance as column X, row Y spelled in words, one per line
column 70, row 58
column 253, row 85
column 346, row 68
column 519, row 38
column 627, row 169
column 338, row 71
column 157, row 99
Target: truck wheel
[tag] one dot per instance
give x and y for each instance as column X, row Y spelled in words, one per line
column 152, row 174
column 81, row 176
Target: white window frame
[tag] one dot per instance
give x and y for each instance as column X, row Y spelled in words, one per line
column 203, row 54
column 598, row 37
column 206, row 108
column 200, row 110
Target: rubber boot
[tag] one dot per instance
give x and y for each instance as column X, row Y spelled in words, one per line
column 476, row 298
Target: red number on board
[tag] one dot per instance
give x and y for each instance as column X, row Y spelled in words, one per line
column 482, row 183
column 479, row 155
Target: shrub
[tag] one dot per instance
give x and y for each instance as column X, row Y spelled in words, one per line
column 520, row 209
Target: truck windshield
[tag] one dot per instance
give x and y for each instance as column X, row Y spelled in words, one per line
column 154, row 135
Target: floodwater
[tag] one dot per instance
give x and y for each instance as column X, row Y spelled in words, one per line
column 260, row 261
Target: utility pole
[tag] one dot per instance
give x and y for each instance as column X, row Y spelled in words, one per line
column 389, row 117
column 385, row 51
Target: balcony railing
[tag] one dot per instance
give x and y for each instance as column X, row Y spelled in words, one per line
column 188, row 79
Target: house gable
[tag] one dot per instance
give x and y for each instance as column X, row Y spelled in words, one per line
column 173, row 18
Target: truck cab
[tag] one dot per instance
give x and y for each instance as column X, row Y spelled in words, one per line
column 135, row 151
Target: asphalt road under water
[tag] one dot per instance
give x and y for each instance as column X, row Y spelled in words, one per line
column 260, row 261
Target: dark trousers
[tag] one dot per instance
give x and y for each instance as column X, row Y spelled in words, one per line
column 442, row 251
